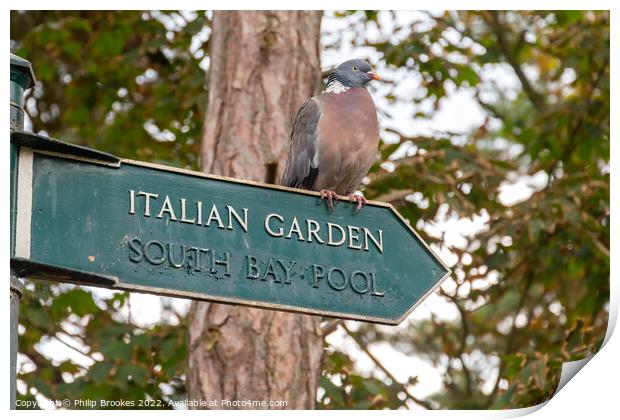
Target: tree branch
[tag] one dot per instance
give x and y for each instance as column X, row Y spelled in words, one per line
column 572, row 138
column 513, row 329
column 377, row 362
column 330, row 326
column 463, row 343
column 73, row 347
column 511, row 57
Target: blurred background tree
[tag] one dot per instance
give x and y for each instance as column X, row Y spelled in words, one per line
column 530, row 287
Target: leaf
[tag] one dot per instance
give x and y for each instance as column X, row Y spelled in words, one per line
column 116, row 351
column 77, row 301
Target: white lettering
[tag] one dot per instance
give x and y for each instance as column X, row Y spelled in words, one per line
column 280, row 231
column 215, row 215
column 330, row 234
column 167, row 208
column 243, row 222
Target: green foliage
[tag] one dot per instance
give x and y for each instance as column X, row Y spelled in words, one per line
column 121, row 82
column 531, row 288
column 115, row 360
column 101, row 76
column 343, row 388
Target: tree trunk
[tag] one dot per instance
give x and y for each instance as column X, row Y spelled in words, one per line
column 263, row 66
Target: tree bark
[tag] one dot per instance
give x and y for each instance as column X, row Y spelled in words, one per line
column 264, row 65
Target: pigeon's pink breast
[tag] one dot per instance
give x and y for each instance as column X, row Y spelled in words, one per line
column 348, row 137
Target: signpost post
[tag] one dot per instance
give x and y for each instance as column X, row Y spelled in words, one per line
column 22, row 78
column 87, row 217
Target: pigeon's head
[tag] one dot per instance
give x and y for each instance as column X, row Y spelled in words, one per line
column 352, row 73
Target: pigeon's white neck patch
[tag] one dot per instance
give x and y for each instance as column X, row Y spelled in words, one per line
column 336, row 87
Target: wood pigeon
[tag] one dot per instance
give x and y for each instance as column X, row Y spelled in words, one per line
column 335, row 136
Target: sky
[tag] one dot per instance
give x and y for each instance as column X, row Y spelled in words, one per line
column 147, row 309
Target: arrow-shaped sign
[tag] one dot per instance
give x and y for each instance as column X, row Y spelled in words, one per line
column 88, row 217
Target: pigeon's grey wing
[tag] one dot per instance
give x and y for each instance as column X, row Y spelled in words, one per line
column 301, row 167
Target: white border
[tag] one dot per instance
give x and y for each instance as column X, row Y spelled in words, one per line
column 24, row 203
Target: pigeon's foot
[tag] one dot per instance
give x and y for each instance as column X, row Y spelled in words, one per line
column 331, row 196
column 359, row 199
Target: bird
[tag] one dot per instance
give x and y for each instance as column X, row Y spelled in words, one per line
column 335, row 136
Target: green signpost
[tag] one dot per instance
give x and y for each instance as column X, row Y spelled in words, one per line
column 89, row 217
column 82, row 216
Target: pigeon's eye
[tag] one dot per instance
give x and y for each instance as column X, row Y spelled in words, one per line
column 355, row 68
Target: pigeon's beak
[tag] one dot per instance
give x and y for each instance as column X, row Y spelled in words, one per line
column 373, row 76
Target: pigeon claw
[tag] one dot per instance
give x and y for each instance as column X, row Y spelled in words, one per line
column 359, row 199
column 330, row 196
